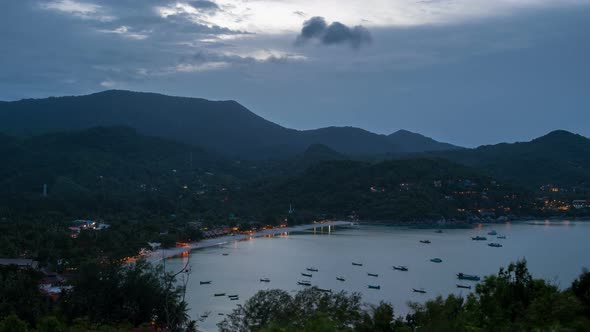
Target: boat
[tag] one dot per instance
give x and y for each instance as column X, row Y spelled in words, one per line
column 464, row 276
column 479, row 238
column 303, row 283
column 501, row 236
column 234, row 298
column 309, row 275
column 463, row 286
column 225, row 254
column 219, row 294
column 436, row 260
column 205, row 282
column 419, row 290
column 312, row 269
column 495, row 245
column 357, row 264
column 400, row 268
column 438, row 231
column 264, row 280
column 372, row 274
column 233, row 295
column 340, row 279
column 374, row 287
column 220, row 314
column 425, row 241
column 492, row 233
column 323, row 290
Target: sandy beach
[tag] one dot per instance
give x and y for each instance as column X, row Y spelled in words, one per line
column 160, row 254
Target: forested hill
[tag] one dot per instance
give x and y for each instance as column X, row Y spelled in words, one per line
column 222, row 126
column 560, row 158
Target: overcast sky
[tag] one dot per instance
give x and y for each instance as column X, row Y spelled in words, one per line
column 468, row 72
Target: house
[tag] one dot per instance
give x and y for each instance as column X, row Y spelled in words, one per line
column 21, row 263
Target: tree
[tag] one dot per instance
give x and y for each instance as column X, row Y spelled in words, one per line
column 13, row 324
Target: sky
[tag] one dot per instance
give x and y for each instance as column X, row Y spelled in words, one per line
column 468, row 72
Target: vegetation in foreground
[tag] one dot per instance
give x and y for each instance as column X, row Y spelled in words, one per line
column 103, row 297
column 512, row 300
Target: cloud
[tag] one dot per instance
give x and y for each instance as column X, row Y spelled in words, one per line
column 84, row 10
column 204, row 5
column 335, row 33
column 125, row 32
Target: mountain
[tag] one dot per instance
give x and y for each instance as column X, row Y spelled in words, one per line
column 89, row 161
column 410, row 142
column 222, row 126
column 560, row 158
column 402, row 189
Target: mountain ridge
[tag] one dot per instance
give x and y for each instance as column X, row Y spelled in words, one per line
column 222, row 126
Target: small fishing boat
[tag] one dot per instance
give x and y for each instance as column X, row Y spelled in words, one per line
column 495, row 245
column 373, row 275
column 419, row 290
column 492, row 233
column 309, row 275
column 357, row 264
column 425, row 241
column 436, row 260
column 501, row 236
column 340, row 279
column 234, row 298
column 225, row 254
column 464, row 276
column 463, row 286
column 236, row 295
column 400, row 268
column 438, row 231
column 479, row 238
column 303, row 283
column 374, row 287
column 205, row 282
column 220, row 314
column 219, row 294
column 312, row 269
column 324, row 290
column 264, row 280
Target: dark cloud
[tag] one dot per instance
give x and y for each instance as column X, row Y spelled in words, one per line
column 204, row 4
column 335, row 33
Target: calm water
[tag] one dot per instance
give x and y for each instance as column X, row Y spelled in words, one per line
column 555, row 251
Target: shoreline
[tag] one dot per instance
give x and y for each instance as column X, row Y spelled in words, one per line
column 160, row 254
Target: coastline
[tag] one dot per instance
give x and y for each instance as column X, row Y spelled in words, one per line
column 158, row 255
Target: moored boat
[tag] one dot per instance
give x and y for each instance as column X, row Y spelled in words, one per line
column 235, row 295
column 479, row 238
column 372, row 275
column 219, row 294
column 492, row 233
column 501, row 236
column 400, row 268
column 208, row 282
column 436, row 260
column 463, row 286
column 312, row 269
column 464, row 276
column 225, row 254
column 495, row 245
column 323, row 290
column 357, row 264
column 340, row 279
column 419, row 290
column 425, row 241
column 374, row 287
column 303, row 283
column 438, row 231
column 264, row 280
column 309, row 275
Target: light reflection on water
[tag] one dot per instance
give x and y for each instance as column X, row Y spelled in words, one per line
column 555, row 251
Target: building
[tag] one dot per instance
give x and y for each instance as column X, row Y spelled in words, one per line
column 21, row 263
column 581, row 203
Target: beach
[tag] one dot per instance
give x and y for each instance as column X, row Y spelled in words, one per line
column 159, row 254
